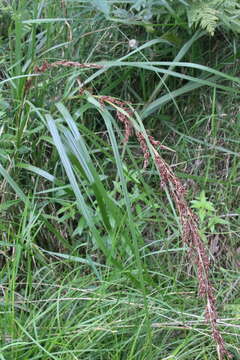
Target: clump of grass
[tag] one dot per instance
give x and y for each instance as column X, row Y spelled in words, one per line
column 189, row 221
column 89, row 269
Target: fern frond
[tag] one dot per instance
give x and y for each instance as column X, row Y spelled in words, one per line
column 201, row 13
column 209, row 13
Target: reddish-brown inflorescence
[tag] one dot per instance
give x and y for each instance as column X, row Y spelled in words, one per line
column 189, row 221
column 46, row 65
column 123, row 116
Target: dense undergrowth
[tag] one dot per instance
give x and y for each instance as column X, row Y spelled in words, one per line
column 92, row 261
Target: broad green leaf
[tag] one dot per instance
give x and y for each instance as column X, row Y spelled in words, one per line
column 83, row 208
column 37, row 171
column 44, row 21
column 74, row 258
column 13, row 184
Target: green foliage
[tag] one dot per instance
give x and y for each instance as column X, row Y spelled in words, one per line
column 201, row 13
column 203, row 206
column 6, row 12
column 206, row 14
column 102, row 5
column 207, row 214
column 209, row 14
column 91, row 260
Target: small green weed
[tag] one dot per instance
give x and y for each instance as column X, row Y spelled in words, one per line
column 207, row 215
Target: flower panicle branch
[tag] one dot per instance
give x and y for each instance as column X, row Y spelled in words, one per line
column 123, row 116
column 65, row 63
column 45, row 66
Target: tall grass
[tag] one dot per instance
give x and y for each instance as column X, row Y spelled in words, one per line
column 92, row 260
